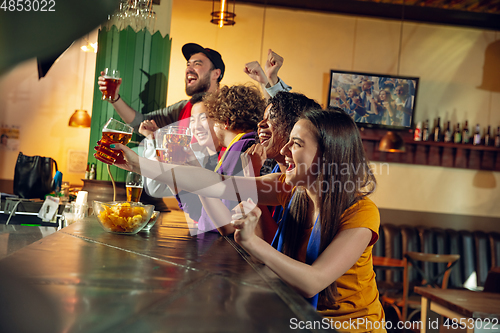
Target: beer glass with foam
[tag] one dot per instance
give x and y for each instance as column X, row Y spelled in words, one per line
column 111, row 76
column 171, row 143
column 133, row 185
column 113, row 132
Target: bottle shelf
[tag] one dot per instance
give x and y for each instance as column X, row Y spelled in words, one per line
column 444, row 154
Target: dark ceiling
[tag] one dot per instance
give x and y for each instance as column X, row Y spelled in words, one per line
column 469, row 13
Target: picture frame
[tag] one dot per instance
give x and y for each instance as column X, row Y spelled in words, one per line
column 375, row 100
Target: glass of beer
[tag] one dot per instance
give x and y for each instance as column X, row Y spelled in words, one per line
column 133, row 185
column 161, row 149
column 113, row 132
column 111, row 76
column 171, row 144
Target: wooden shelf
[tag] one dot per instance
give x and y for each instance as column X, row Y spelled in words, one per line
column 451, row 155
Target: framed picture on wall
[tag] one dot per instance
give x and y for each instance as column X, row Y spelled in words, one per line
column 374, row 100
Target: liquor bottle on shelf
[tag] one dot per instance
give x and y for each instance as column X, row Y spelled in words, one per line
column 425, row 131
column 465, row 133
column 447, row 133
column 92, row 171
column 487, row 137
column 87, row 172
column 417, row 135
column 476, row 140
column 497, row 138
column 437, row 131
column 457, row 137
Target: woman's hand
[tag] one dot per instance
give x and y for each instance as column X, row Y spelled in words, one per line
column 253, row 159
column 147, row 128
column 131, row 158
column 244, row 219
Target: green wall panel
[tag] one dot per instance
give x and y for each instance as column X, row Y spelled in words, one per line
column 143, row 61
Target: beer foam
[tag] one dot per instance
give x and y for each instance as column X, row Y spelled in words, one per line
column 114, row 131
column 133, row 186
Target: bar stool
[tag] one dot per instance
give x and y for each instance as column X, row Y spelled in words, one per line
column 403, row 302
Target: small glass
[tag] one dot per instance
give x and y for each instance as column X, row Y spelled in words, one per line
column 152, row 221
column 65, row 191
column 133, row 185
column 113, row 132
column 112, row 77
column 171, row 144
column 74, row 212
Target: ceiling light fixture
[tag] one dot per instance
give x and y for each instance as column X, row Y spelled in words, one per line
column 81, row 118
column 223, row 16
column 392, row 142
column 90, row 47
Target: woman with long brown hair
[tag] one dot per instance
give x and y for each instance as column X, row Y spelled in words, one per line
column 323, row 247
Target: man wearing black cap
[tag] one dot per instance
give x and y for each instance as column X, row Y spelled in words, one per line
column 204, row 71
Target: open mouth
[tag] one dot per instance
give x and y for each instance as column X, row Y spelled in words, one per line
column 264, row 139
column 200, row 136
column 290, row 167
column 190, row 78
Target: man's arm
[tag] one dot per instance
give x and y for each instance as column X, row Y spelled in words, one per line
column 273, row 64
column 280, row 86
column 123, row 109
column 162, row 117
column 256, row 73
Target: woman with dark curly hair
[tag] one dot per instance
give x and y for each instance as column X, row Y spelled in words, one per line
column 282, row 112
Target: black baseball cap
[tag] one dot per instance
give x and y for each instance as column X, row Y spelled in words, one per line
column 191, row 48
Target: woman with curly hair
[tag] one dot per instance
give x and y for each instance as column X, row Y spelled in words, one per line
column 235, row 110
column 225, row 122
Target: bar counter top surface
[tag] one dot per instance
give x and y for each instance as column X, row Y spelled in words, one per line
column 83, row 279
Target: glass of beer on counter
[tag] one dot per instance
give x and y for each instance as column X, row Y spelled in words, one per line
column 111, row 76
column 171, row 143
column 133, row 185
column 113, row 132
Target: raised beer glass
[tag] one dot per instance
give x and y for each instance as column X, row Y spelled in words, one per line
column 171, row 144
column 133, row 185
column 112, row 132
column 111, row 76
column 161, row 149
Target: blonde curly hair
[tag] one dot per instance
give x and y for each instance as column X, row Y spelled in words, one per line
column 241, row 107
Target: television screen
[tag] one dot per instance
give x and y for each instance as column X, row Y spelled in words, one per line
column 374, row 100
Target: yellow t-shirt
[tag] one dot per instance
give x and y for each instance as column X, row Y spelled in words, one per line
column 357, row 307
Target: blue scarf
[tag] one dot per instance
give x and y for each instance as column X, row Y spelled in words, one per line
column 312, row 246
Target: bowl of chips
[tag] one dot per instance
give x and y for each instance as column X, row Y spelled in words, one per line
column 122, row 217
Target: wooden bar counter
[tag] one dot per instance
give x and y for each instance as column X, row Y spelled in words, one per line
column 165, row 280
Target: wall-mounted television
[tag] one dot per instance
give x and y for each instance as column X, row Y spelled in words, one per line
column 375, row 100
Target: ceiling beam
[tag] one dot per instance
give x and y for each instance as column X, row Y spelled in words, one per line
column 390, row 11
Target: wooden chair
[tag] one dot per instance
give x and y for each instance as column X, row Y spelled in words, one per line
column 412, row 260
column 492, row 284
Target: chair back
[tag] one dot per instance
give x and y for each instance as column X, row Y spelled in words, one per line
column 492, row 284
column 414, row 260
